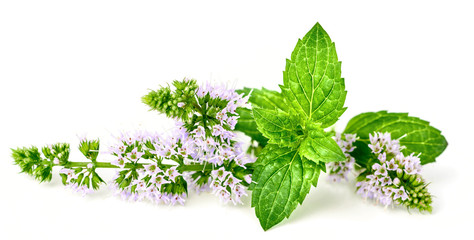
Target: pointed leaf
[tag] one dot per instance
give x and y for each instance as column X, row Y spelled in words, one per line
column 279, row 127
column 283, row 180
column 319, row 146
column 312, row 78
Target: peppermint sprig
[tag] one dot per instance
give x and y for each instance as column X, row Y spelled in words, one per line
column 293, row 121
column 200, row 153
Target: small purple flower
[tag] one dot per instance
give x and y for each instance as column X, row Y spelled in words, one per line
column 373, row 138
column 177, row 198
column 120, row 162
column 199, row 132
column 248, row 178
column 376, row 148
column 159, row 180
column 400, row 193
column 382, row 157
column 385, row 181
column 380, row 169
column 220, row 173
column 172, row 173
column 134, row 155
column 232, row 121
column 391, row 165
column 217, row 130
column 152, row 169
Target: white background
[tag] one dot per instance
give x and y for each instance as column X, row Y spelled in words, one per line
column 75, row 67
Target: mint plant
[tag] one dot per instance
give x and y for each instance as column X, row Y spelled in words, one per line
column 290, row 144
column 311, row 99
column 297, row 147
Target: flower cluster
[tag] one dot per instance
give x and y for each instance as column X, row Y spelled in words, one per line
column 340, row 170
column 215, row 146
column 225, row 185
column 83, row 180
column 144, row 171
column 393, row 178
column 201, row 151
column 230, row 101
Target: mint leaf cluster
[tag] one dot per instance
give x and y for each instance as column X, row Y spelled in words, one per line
column 312, row 98
column 293, row 146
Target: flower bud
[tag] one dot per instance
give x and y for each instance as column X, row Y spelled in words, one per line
column 412, row 178
column 396, row 181
column 417, row 181
column 399, row 173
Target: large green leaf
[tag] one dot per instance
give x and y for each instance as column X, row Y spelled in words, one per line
column 283, row 180
column 312, row 80
column 319, row 146
column 419, row 136
column 279, row 127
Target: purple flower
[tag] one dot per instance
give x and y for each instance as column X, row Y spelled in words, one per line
column 382, row 157
column 217, row 130
column 232, row 121
column 379, row 169
column 400, row 193
column 220, row 173
column 373, row 138
column 376, row 148
column 391, row 165
column 177, row 198
column 172, row 173
column 152, row 169
column 120, row 162
column 134, row 155
column 159, row 180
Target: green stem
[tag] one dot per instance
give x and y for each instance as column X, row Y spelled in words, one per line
column 184, row 168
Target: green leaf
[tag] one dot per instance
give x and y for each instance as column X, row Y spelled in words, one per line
column 319, row 146
column 247, row 125
column 362, row 154
column 90, row 148
column 283, row 180
column 279, row 127
column 312, row 80
column 265, row 98
column 262, row 98
column 419, row 136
